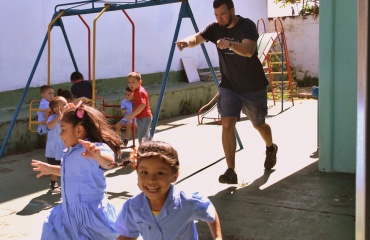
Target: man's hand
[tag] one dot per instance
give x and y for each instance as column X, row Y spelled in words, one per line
column 223, row 44
column 181, row 45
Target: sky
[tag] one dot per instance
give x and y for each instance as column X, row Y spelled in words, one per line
column 274, row 10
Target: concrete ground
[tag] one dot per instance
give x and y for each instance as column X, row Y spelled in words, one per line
column 292, row 201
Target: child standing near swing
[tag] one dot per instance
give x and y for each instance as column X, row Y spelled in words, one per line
column 92, row 145
column 54, row 144
column 126, row 108
column 46, row 93
column 141, row 108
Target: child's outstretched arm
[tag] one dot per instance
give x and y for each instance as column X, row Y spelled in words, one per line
column 44, row 168
column 93, row 151
column 215, row 228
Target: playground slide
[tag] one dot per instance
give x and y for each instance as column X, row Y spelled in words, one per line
column 264, row 44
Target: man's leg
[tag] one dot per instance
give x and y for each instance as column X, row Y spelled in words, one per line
column 271, row 148
column 229, row 145
column 265, row 132
column 229, row 140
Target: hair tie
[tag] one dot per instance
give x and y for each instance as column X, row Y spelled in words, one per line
column 133, row 158
column 79, row 112
column 79, row 104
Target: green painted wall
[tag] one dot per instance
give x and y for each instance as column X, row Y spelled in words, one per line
column 338, row 83
column 180, row 98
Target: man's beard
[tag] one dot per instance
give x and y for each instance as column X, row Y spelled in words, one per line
column 230, row 20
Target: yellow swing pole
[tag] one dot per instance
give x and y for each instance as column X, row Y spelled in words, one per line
column 49, row 30
column 106, row 6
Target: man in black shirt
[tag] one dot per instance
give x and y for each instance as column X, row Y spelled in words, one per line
column 243, row 86
column 80, row 88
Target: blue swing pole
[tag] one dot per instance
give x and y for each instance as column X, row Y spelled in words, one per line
column 23, row 95
column 31, row 77
column 60, row 23
column 165, row 77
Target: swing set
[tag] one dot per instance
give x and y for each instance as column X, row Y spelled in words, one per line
column 89, row 7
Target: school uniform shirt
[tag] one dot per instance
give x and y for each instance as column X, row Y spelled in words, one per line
column 127, row 105
column 175, row 220
column 85, row 212
column 41, row 128
column 54, row 144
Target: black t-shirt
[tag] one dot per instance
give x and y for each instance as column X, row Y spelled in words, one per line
column 82, row 89
column 240, row 74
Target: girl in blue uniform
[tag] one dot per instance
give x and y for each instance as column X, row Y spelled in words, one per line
column 54, row 143
column 85, row 212
column 162, row 211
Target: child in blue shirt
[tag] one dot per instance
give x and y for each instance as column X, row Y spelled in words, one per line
column 161, row 211
column 126, row 108
column 85, row 212
column 54, row 144
column 46, row 93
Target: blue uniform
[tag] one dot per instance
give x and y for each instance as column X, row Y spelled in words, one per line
column 54, row 144
column 126, row 104
column 85, row 212
column 41, row 128
column 175, row 221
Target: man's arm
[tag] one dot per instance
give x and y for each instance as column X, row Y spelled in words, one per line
column 246, row 48
column 191, row 41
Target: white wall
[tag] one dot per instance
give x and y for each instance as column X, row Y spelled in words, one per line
column 302, row 35
column 24, row 25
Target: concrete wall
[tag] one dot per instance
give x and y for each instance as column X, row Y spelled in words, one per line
column 338, row 86
column 179, row 99
column 24, row 25
column 302, row 35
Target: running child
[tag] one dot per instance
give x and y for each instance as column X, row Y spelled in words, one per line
column 161, row 211
column 85, row 212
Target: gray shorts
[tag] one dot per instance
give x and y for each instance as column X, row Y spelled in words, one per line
column 143, row 128
column 253, row 104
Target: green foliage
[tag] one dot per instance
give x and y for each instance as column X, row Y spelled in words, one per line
column 308, row 81
column 187, row 107
column 309, row 7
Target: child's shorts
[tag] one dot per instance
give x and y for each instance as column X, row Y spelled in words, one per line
column 124, row 121
column 253, row 104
